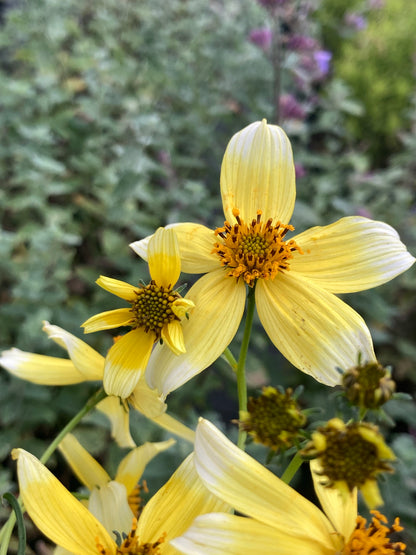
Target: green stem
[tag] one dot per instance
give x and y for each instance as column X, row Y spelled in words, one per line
column 7, row 529
column 241, row 366
column 229, row 357
column 292, row 468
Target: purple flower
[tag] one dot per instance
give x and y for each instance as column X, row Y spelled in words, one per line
column 356, row 21
column 300, row 171
column 290, row 107
column 301, row 43
column 272, row 3
column 262, row 37
column 323, row 59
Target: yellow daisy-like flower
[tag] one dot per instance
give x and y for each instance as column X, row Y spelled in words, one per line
column 85, row 364
column 295, row 279
column 280, row 521
column 155, row 314
column 95, row 531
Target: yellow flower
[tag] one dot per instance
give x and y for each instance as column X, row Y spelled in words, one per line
column 295, row 279
column 155, row 314
column 69, row 524
column 85, row 364
column 280, row 521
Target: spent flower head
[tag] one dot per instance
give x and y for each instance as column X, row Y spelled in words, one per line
column 368, row 385
column 350, row 456
column 273, row 419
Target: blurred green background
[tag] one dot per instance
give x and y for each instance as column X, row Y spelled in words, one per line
column 115, row 116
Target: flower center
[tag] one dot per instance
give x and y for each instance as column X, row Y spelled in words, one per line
column 129, row 544
column 368, row 385
column 273, row 419
column 374, row 539
column 154, row 308
column 256, row 250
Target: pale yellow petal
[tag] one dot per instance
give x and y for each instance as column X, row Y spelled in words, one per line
column 219, row 306
column 351, row 254
column 258, row 173
column 109, row 505
column 85, row 358
column 146, row 400
column 220, row 533
column 88, row 471
column 55, row 511
column 118, row 414
column 116, row 287
column 313, row 329
column 40, row 369
column 125, row 362
column 108, row 320
column 163, row 257
column 195, row 247
column 341, row 511
column 173, row 508
column 132, row 466
column 172, row 425
column 172, row 335
column 251, row 489
column 371, row 494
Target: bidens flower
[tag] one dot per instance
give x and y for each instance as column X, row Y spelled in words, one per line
column 110, row 526
column 280, row 521
column 294, row 278
column 155, row 314
column 85, row 364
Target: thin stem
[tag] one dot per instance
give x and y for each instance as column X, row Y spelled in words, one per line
column 7, row 529
column 292, row 468
column 241, row 366
column 229, row 357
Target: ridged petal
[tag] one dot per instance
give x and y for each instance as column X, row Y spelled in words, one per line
column 312, row 328
column 341, row 511
column 195, row 246
column 172, row 425
column 146, row 400
column 110, row 506
column 55, row 511
column 350, row 255
column 108, row 320
column 85, row 358
column 220, row 533
column 118, row 414
column 251, row 489
column 258, row 173
column 172, row 335
column 119, row 288
column 173, row 508
column 219, row 305
column 40, row 369
column 163, row 257
column 125, row 362
column 132, row 466
column 88, row 471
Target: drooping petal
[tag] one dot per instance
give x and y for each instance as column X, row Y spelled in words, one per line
column 85, row 358
column 172, row 335
column 219, row 305
column 341, row 510
column 185, row 493
column 88, row 471
column 163, row 257
column 118, row 414
column 173, row 426
column 220, row 533
column 116, row 287
column 258, row 173
column 125, row 362
column 195, row 247
column 108, row 320
column 350, row 255
column 132, row 466
column 110, row 506
column 251, row 489
column 55, row 511
column 40, row 369
column 147, row 401
column 313, row 329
